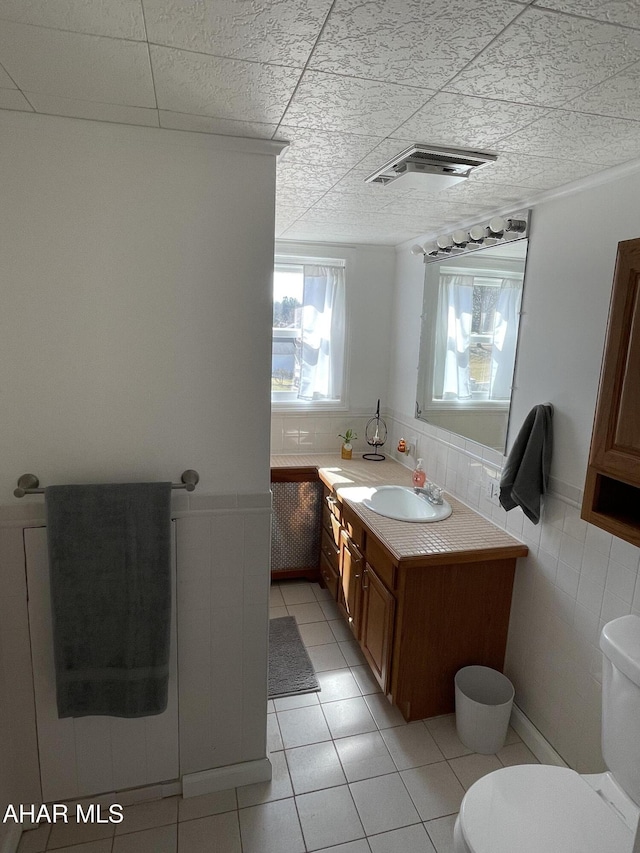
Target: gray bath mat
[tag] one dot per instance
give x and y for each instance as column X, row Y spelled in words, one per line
column 290, row 668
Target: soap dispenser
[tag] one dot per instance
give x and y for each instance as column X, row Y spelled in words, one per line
column 419, row 475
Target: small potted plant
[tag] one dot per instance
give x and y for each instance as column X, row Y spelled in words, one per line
column 347, row 447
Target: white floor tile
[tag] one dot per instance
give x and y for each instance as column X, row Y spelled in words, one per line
column 214, row 834
column 516, row 753
column 301, row 726
column 366, row 681
column 441, row 833
column 364, row 756
column 470, row 768
column 321, row 593
column 384, row 713
column 316, row 634
column 35, row 840
column 328, row 817
column 207, row 804
column 277, row 788
column 306, row 612
column 337, row 684
column 300, row 700
column 352, row 654
column 67, row 834
column 271, row 708
column 383, row 803
column 329, row 609
column 512, row 737
column 275, row 597
column 271, row 828
column 297, row 593
column 348, row 717
column 409, row 839
column 326, row 657
column 277, row 612
column 360, row 846
column 147, row 815
column 315, row 767
column 411, row 745
column 435, row 790
column 103, row 846
column 161, row 839
column 443, row 731
column 340, row 630
column 274, row 738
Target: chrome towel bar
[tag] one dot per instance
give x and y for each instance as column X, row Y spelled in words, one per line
column 28, row 484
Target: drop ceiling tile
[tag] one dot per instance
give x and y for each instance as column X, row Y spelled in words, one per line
column 225, row 88
column 5, row 81
column 623, row 12
column 547, row 59
column 530, row 171
column 350, row 105
column 324, row 148
column 290, row 176
column 117, row 18
column 209, row 124
column 342, row 203
column 12, row 99
column 290, row 196
column 619, row 96
column 408, row 41
column 285, row 217
column 270, row 31
column 348, row 234
column 458, row 120
column 594, row 139
column 486, row 194
column 75, row 108
column 74, row 65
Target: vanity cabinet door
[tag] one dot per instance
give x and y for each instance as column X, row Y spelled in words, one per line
column 612, row 488
column 376, row 637
column 350, row 592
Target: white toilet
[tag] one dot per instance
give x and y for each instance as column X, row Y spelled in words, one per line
column 543, row 809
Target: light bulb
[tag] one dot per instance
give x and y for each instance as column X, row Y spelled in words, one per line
column 417, row 249
column 444, row 243
column 460, row 238
column 477, row 233
column 497, row 225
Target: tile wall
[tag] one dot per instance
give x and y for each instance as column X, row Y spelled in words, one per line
column 575, row 579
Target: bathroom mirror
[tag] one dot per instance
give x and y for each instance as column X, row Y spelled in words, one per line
column 468, row 342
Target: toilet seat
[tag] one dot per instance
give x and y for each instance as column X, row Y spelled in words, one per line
column 539, row 809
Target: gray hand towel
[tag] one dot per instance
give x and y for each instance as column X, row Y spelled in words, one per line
column 110, row 568
column 526, row 473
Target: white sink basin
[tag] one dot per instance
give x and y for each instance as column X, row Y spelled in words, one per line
column 398, row 502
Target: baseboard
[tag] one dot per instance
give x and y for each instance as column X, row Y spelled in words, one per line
column 534, row 739
column 10, row 838
column 222, row 778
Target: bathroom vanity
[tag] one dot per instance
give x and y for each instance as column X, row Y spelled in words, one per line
column 421, row 599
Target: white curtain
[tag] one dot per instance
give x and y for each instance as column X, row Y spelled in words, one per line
column 323, row 333
column 451, row 379
column 505, row 338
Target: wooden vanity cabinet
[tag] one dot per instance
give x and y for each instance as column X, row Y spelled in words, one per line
column 612, row 486
column 419, row 619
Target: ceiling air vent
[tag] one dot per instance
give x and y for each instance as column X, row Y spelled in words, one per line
column 430, row 167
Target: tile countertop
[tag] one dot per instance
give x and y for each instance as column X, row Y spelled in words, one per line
column 465, row 536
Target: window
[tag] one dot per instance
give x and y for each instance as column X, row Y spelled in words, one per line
column 308, row 340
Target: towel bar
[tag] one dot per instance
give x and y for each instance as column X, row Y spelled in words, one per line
column 28, row 484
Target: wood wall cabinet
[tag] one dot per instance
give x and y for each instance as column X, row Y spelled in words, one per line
column 612, row 486
column 418, row 620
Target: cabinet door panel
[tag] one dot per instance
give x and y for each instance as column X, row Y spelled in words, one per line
column 351, row 569
column 329, row 576
column 378, row 606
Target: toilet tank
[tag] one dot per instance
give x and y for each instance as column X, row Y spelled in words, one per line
column 620, row 644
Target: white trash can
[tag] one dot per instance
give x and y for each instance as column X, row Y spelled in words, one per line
column 484, row 698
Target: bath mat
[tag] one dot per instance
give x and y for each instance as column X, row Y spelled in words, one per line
column 290, row 668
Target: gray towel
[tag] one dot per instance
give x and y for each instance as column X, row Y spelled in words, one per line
column 526, row 474
column 110, row 568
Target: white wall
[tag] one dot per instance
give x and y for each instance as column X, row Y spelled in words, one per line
column 136, row 304
column 135, row 343
column 369, row 293
column 576, row 577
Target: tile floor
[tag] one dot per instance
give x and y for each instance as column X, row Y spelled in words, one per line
column 349, row 775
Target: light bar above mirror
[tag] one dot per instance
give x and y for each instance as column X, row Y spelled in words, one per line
column 492, row 232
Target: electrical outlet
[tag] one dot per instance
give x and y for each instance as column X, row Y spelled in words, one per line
column 492, row 491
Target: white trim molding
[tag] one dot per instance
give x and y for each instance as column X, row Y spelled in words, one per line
column 536, row 741
column 221, row 778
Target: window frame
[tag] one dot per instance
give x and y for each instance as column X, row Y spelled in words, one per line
column 293, row 404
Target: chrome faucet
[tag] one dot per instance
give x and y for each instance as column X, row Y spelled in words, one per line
column 431, row 492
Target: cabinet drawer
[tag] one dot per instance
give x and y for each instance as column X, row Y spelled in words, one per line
column 332, row 504
column 330, row 551
column 331, row 524
column 329, row 576
column 385, row 569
